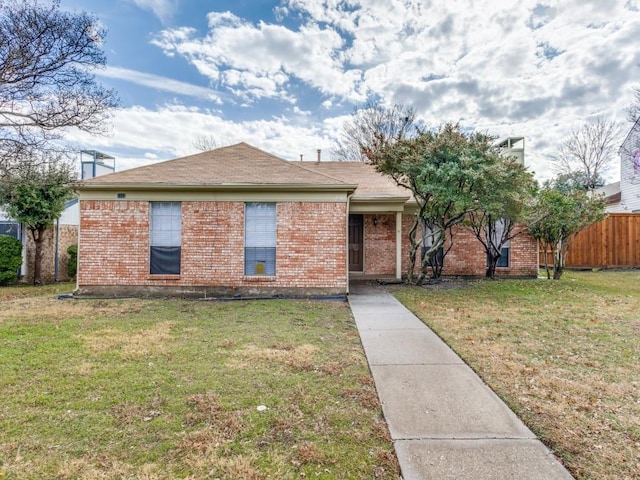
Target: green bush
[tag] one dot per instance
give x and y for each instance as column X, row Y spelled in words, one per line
column 10, row 259
column 72, row 263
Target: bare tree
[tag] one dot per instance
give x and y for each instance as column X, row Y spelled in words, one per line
column 588, row 152
column 46, row 81
column 374, row 124
column 204, row 143
column 633, row 112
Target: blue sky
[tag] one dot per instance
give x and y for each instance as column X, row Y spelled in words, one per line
column 284, row 75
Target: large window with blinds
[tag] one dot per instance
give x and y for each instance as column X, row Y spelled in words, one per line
column 260, row 239
column 166, row 238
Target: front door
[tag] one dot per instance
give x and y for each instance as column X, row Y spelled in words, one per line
column 356, row 243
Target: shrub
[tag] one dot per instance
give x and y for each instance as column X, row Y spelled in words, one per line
column 72, row 263
column 10, row 259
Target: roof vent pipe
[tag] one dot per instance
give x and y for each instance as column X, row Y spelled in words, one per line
column 319, row 155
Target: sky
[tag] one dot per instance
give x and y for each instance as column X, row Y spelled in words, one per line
column 285, row 75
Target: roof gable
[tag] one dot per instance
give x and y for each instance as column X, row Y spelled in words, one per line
column 240, row 164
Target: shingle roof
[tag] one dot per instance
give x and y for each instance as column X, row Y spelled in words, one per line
column 239, row 164
column 243, row 164
column 371, row 183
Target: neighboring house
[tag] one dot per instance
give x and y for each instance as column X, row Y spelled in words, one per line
column 56, row 241
column 63, row 233
column 240, row 221
column 624, row 196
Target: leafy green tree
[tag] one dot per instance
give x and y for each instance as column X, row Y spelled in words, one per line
column 444, row 170
column 505, row 194
column 47, row 85
column 10, row 259
column 557, row 216
column 72, row 263
column 35, row 196
column 577, row 180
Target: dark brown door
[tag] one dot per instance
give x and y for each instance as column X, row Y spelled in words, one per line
column 356, row 243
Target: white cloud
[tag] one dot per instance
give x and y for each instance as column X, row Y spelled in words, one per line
column 141, row 136
column 516, row 67
column 161, row 83
column 163, row 9
column 255, row 53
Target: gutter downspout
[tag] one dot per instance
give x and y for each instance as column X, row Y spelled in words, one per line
column 56, row 256
column 78, row 243
column 399, row 245
column 347, row 239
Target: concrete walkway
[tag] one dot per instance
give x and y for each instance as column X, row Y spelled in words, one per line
column 444, row 421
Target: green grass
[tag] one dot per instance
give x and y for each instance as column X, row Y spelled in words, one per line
column 565, row 355
column 170, row 389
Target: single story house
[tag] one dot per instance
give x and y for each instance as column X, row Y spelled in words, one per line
column 240, row 221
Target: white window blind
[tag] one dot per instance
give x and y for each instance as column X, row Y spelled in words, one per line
column 166, row 238
column 260, row 239
column 166, row 224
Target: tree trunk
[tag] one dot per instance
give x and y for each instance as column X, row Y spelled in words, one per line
column 38, row 239
column 438, row 242
column 545, row 248
column 413, row 249
column 491, row 266
column 558, row 260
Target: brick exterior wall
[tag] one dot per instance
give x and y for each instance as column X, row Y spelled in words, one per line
column 114, row 250
column 380, row 244
column 466, row 258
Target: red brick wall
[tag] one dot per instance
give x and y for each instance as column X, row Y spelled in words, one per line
column 380, row 244
column 311, row 246
column 467, row 257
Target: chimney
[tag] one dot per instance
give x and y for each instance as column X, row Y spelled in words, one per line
column 319, row 155
column 300, row 157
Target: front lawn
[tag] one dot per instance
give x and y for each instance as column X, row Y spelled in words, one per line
column 565, row 355
column 185, row 389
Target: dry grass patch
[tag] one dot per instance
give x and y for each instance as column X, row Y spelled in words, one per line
column 298, row 357
column 131, row 345
column 366, row 397
column 563, row 354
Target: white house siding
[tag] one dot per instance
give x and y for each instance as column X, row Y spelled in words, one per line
column 71, row 214
column 630, row 173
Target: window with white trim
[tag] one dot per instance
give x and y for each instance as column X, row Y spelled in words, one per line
column 260, row 239
column 166, row 238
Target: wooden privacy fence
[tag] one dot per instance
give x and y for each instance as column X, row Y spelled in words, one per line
column 611, row 243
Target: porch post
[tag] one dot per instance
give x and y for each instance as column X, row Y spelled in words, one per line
column 399, row 245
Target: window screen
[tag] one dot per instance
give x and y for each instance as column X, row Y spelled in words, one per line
column 166, row 234
column 498, row 233
column 260, row 239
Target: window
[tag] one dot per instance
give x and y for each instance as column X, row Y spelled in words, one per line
column 436, row 260
column 166, row 233
column 10, row 228
column 260, row 239
column 496, row 238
